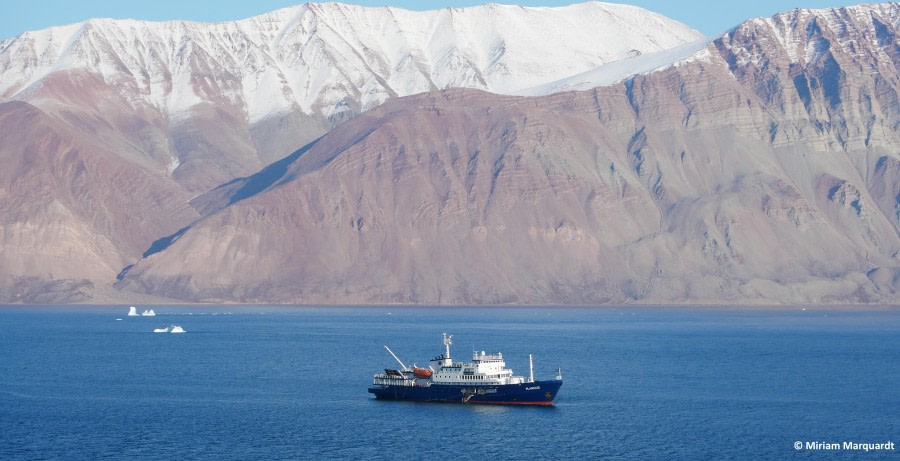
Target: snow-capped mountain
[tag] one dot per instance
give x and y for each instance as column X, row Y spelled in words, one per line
column 332, row 58
column 651, row 166
column 761, row 168
column 783, row 34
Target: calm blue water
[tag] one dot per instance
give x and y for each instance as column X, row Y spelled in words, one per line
column 270, row 383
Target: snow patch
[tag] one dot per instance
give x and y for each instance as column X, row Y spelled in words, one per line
column 620, row 70
column 174, row 163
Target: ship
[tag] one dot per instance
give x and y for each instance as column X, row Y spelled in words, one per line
column 484, row 380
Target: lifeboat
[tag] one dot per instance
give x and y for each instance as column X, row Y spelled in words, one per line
column 421, row 372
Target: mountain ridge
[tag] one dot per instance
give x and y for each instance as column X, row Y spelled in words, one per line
column 481, row 42
column 765, row 172
column 748, row 177
column 212, row 102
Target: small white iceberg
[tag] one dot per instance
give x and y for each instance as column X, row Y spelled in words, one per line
column 149, row 313
column 132, row 311
column 177, row 329
column 161, row 330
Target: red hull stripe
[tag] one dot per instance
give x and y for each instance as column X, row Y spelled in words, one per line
column 512, row 403
column 470, row 403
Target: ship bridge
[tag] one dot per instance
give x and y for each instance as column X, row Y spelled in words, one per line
column 498, row 357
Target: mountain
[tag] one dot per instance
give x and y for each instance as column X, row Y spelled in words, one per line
column 111, row 127
column 760, row 168
column 325, row 58
column 223, row 100
column 73, row 212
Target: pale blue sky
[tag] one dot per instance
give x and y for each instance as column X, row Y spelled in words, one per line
column 708, row 16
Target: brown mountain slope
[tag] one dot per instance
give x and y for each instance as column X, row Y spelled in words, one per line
column 72, row 214
column 764, row 169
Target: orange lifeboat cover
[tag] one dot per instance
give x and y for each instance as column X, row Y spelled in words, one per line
column 422, row 372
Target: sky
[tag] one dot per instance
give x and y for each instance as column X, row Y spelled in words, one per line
column 711, row 17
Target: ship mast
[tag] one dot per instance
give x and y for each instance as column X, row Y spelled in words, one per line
column 448, row 340
column 530, row 369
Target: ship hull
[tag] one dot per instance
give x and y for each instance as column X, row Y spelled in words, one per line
column 536, row 393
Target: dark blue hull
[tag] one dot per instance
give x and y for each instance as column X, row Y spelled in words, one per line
column 536, row 393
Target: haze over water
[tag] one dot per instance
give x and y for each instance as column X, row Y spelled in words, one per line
column 290, row 382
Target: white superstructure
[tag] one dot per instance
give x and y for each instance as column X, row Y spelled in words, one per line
column 486, row 369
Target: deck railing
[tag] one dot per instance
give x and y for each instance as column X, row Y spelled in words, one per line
column 385, row 380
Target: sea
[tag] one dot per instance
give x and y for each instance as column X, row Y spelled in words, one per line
column 280, row 382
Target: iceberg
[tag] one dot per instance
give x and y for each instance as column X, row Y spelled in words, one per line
column 148, row 313
column 132, row 311
column 177, row 329
column 161, row 330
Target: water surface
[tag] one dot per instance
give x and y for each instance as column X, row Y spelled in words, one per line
column 290, row 382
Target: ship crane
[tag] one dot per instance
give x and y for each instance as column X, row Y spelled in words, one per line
column 405, row 368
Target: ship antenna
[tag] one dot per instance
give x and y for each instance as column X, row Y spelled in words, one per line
column 405, row 368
